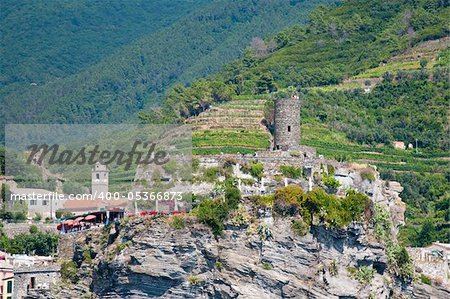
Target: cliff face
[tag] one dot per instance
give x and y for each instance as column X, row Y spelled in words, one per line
column 191, row 263
column 145, row 257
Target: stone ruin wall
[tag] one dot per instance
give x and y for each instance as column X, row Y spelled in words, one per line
column 272, row 160
column 434, row 267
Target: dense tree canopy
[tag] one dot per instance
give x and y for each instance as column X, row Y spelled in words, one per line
column 136, row 75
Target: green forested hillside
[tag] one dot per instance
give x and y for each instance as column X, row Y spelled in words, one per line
column 135, row 76
column 406, row 108
column 44, row 40
column 341, row 42
column 338, row 43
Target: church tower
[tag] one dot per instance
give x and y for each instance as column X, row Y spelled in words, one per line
column 100, row 179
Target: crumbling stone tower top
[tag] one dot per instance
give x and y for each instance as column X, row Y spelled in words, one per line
column 287, row 124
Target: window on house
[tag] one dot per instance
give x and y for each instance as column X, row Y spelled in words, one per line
column 289, row 128
column 33, row 282
column 97, row 176
column 33, row 202
column 44, row 202
column 9, row 287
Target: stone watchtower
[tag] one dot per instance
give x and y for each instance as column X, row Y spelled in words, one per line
column 100, row 179
column 287, row 124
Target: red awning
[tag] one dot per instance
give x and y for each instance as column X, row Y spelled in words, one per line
column 90, row 217
column 68, row 223
column 79, row 219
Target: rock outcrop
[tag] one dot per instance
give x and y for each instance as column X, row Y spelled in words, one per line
column 147, row 258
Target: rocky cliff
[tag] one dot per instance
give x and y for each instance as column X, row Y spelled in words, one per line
column 149, row 257
column 146, row 257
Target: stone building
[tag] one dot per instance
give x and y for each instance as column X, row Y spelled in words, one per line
column 31, row 278
column 41, row 202
column 287, row 124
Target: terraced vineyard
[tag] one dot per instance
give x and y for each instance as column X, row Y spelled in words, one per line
column 335, row 145
column 231, row 127
column 432, row 51
column 236, row 127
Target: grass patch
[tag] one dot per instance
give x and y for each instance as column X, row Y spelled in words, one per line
column 194, row 280
column 392, row 67
column 177, row 222
column 291, row 171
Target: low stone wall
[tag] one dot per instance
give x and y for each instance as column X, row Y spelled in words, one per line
column 13, row 229
column 272, row 160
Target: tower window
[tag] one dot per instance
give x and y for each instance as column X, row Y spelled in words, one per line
column 289, row 128
column 97, row 175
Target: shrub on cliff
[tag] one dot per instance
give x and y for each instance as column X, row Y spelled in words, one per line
column 363, row 275
column 213, row 212
column 69, row 271
column 240, row 216
column 177, row 222
column 287, row 200
column 264, row 201
column 368, row 174
column 33, row 229
column 331, row 182
column 355, row 204
column 88, row 255
column 399, row 261
column 254, row 168
column 300, row 227
column 334, row 211
column 381, row 222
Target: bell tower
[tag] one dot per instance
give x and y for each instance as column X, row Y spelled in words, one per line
column 100, row 179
